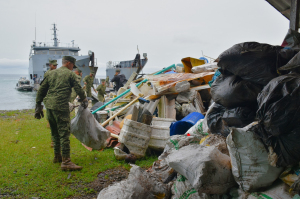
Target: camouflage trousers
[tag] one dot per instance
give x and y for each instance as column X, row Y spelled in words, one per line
column 100, row 98
column 88, row 92
column 60, row 131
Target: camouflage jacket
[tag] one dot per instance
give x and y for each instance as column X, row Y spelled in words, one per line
column 89, row 81
column 101, row 89
column 57, row 88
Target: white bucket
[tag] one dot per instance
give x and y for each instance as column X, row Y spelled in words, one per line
column 165, row 122
column 136, row 137
column 159, row 137
column 101, row 115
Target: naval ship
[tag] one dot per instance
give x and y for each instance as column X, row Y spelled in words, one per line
column 41, row 53
column 126, row 67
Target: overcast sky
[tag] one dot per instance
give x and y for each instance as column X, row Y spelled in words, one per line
column 167, row 30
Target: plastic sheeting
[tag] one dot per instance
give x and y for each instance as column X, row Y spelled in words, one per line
column 164, row 82
column 87, row 130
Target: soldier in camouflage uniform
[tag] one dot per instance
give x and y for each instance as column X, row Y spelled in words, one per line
column 78, row 73
column 53, row 66
column 107, row 81
column 57, row 88
column 101, row 90
column 88, row 83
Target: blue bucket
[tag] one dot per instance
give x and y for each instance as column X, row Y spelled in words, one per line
column 182, row 126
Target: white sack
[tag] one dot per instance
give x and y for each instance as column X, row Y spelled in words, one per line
column 175, row 142
column 199, row 129
column 249, row 159
column 88, row 131
column 183, row 189
column 206, row 168
column 139, row 184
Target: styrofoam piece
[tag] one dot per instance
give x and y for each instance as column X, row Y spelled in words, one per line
column 136, row 137
column 102, row 115
column 159, row 137
column 119, row 154
column 165, row 122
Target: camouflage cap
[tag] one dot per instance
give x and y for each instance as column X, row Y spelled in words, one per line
column 118, row 70
column 53, row 62
column 102, row 80
column 78, row 70
column 70, row 59
column 92, row 72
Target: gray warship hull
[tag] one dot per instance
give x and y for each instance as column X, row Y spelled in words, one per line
column 41, row 53
column 124, row 66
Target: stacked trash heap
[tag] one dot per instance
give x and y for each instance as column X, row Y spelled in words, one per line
column 227, row 129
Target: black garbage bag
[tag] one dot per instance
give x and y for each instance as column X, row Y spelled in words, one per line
column 292, row 65
column 279, row 118
column 252, row 61
column 239, row 117
column 219, row 119
column 232, row 91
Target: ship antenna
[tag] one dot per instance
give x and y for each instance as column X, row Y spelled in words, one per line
column 35, row 28
column 138, row 49
column 54, row 35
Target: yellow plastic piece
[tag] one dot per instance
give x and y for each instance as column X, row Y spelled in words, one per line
column 203, row 139
column 189, row 63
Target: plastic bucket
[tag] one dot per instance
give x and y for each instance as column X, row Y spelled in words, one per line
column 136, row 137
column 182, row 126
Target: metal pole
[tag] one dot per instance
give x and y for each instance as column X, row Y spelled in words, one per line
column 294, row 15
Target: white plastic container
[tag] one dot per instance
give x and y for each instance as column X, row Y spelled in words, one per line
column 102, row 115
column 159, row 137
column 136, row 137
column 160, row 132
column 163, row 122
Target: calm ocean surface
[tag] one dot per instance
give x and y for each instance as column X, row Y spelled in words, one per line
column 12, row 99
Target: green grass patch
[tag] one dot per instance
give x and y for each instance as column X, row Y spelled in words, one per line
column 26, row 168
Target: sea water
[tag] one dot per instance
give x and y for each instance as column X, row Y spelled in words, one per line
column 11, row 98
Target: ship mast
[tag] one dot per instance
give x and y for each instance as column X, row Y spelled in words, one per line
column 54, row 35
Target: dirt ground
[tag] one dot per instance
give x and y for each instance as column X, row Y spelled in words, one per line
column 103, row 180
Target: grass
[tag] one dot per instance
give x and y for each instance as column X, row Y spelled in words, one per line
column 26, row 168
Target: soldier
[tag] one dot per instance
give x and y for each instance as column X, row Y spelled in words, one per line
column 57, row 87
column 53, row 66
column 107, row 81
column 78, row 73
column 88, row 83
column 118, row 79
column 101, row 90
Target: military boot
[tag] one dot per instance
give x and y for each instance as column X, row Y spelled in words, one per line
column 68, row 165
column 57, row 158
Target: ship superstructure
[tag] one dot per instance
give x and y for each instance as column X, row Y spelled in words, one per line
column 126, row 67
column 41, row 53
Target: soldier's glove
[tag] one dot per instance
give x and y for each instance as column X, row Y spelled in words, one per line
column 39, row 111
column 85, row 103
